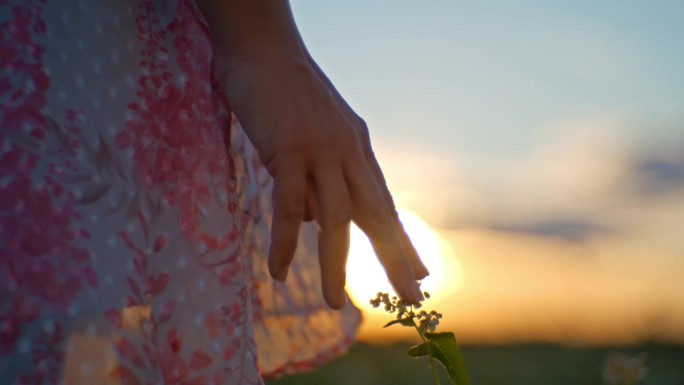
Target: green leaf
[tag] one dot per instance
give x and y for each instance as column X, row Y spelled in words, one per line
column 444, row 348
column 402, row 321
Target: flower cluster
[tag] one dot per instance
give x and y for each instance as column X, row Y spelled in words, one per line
column 426, row 321
column 623, row 369
column 393, row 304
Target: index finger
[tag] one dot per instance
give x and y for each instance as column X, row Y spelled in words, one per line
column 418, row 267
column 372, row 214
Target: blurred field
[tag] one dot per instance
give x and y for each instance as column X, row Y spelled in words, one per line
column 510, row 365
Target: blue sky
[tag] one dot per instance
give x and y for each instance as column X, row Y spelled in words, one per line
column 489, row 77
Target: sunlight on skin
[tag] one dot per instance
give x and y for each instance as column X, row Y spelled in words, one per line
column 366, row 277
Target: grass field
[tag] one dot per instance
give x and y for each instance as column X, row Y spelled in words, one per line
column 510, row 365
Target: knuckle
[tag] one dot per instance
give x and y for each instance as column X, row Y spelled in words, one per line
column 331, row 146
column 362, row 127
column 362, row 131
column 376, row 219
column 337, row 219
column 283, row 158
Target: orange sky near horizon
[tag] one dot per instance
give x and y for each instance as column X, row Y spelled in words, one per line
column 511, row 291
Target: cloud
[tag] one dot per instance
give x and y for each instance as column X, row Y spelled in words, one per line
column 583, row 180
column 427, row 180
column 568, row 173
column 572, row 174
column 659, row 176
column 573, row 230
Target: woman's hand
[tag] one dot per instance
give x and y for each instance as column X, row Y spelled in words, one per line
column 313, row 145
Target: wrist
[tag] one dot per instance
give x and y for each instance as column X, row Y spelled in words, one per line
column 253, row 31
column 260, row 55
column 264, row 63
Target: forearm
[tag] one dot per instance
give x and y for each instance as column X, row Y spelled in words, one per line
column 253, row 30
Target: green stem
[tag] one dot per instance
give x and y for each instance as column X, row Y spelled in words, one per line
column 433, row 368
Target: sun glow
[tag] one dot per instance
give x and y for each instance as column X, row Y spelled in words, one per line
column 366, row 277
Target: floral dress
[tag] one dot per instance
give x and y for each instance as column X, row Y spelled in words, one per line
column 134, row 213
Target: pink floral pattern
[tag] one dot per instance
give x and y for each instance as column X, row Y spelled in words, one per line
column 36, row 219
column 134, row 213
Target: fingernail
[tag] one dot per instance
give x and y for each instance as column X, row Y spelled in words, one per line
column 281, row 274
column 416, row 294
column 422, row 272
column 342, row 299
column 278, row 273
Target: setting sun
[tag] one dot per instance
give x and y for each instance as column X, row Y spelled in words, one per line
column 366, row 277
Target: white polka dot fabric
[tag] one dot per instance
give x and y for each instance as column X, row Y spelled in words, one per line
column 134, row 213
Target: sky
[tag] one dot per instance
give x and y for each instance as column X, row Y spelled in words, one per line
column 544, row 144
